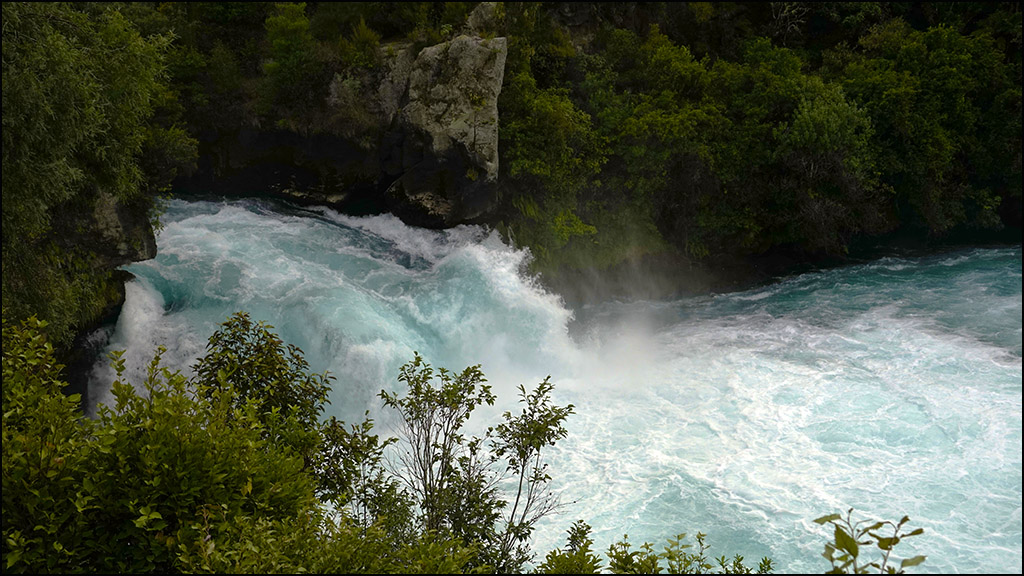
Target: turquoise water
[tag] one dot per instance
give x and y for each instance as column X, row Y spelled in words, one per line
column 892, row 387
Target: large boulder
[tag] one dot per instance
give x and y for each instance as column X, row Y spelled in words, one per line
column 441, row 151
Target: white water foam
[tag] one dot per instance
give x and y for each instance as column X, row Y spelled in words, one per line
column 893, row 387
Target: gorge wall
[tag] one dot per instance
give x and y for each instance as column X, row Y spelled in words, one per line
column 416, row 136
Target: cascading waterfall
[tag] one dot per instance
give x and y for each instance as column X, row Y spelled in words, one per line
column 892, row 387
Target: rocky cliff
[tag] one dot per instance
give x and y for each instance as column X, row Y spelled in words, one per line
column 83, row 290
column 416, row 136
column 441, row 148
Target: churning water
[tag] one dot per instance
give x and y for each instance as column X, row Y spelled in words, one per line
column 893, row 387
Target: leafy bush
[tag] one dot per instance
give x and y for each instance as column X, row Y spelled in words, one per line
column 362, row 47
column 45, row 455
column 577, row 558
column 136, row 488
column 452, row 478
column 844, row 551
column 80, row 86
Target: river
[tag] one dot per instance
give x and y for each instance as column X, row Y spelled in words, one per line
column 892, row 387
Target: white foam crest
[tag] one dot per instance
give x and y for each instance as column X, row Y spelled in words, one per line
column 954, row 260
column 432, row 245
column 141, row 328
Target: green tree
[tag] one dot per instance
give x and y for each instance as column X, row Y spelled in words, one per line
column 247, row 363
column 827, row 166
column 294, row 78
column 945, row 108
column 79, row 89
column 247, row 358
column 351, row 468
column 453, row 478
column 431, row 437
column 519, row 441
column 551, row 148
column 550, row 151
column 362, row 47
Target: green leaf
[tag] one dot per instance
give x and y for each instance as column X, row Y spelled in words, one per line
column 910, row 562
column 874, row 526
column 887, row 543
column 828, row 518
column 13, row 557
column 846, row 542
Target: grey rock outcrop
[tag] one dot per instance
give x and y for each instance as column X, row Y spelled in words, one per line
column 121, row 233
column 453, row 98
column 416, row 135
column 442, row 146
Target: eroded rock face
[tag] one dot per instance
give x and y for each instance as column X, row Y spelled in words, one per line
column 442, row 149
column 122, row 233
column 416, row 136
column 453, row 98
column 105, row 233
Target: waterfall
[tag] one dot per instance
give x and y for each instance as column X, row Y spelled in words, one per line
column 892, row 387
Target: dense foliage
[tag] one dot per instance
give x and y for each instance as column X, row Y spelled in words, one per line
column 738, row 128
column 222, row 472
column 182, row 475
column 706, row 129
column 235, row 470
column 80, row 89
column 697, row 129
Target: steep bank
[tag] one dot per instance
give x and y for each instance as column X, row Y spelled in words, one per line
column 415, row 135
column 83, row 153
column 644, row 150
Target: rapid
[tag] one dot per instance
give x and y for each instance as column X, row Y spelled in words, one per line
column 892, row 387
